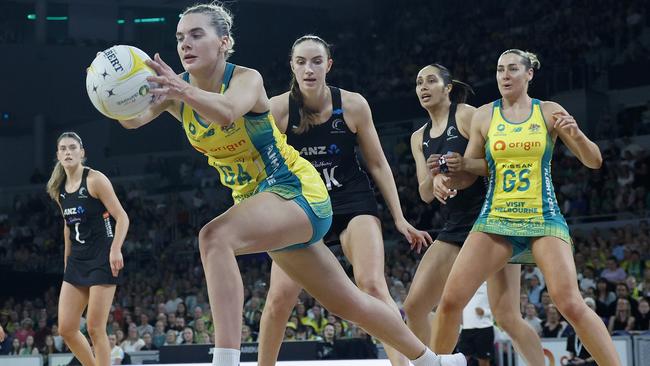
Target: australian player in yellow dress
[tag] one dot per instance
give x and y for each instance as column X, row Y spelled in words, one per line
column 511, row 142
column 281, row 203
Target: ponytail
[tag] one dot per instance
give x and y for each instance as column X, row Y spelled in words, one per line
column 460, row 91
column 307, row 114
column 57, row 178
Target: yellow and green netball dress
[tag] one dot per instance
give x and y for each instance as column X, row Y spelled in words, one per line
column 252, row 156
column 520, row 203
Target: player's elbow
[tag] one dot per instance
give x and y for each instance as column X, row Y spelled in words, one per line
column 227, row 117
column 594, row 162
column 122, row 219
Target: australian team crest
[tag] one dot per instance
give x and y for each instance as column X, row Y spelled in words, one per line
column 229, row 130
column 534, row 127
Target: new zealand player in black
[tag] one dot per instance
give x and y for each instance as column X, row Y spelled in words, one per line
column 445, row 134
column 325, row 124
column 94, row 229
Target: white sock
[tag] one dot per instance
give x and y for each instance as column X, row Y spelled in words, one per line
column 427, row 359
column 225, row 357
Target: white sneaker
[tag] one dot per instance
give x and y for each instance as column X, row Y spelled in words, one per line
column 457, row 359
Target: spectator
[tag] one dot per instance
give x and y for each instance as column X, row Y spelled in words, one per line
column 532, row 319
column 544, row 304
column 622, row 320
column 181, row 311
column 159, row 334
column 144, row 326
column 172, row 304
column 48, row 347
column 604, row 298
column 534, row 290
column 588, row 280
column 25, row 330
column 119, row 336
column 578, row 355
column 529, row 271
column 317, row 320
column 148, row 343
column 201, row 334
column 28, row 347
column 477, row 336
column 613, row 273
column 554, row 325
column 326, row 349
column 41, row 333
column 133, row 342
column 290, row 331
column 187, row 336
column 117, row 353
column 622, row 292
column 15, row 347
column 170, row 339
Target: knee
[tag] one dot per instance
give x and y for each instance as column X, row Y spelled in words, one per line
column 451, row 303
column 68, row 331
column 414, row 309
column 507, row 320
column 208, row 235
column 571, row 307
column 279, row 305
column 96, row 330
column 374, row 287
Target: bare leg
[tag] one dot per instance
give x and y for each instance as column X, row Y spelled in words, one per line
column 99, row 305
column 555, row 259
column 504, row 288
column 426, row 288
column 72, row 302
column 310, row 265
column 280, row 301
column 363, row 245
column 239, row 231
column 481, row 256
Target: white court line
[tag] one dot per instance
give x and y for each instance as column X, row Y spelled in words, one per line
column 305, row 363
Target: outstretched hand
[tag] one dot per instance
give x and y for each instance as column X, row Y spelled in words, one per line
column 170, row 85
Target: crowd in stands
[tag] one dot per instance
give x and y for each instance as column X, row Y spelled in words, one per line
column 592, row 40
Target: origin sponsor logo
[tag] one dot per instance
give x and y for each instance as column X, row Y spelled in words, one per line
column 501, row 145
column 230, row 147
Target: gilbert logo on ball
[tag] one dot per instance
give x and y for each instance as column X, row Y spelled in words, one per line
column 116, row 82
